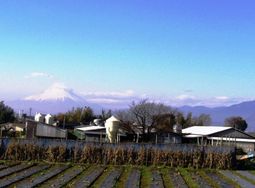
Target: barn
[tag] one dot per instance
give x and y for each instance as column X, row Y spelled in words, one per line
column 219, row 135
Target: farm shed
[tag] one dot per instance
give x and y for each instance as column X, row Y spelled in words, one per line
column 91, row 133
column 38, row 129
column 219, row 135
column 96, row 132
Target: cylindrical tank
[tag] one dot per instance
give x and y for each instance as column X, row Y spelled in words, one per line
column 49, row 119
column 39, row 117
column 177, row 128
column 112, row 126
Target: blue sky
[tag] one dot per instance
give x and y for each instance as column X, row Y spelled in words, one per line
column 197, row 52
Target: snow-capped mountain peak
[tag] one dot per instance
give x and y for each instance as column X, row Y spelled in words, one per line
column 57, row 91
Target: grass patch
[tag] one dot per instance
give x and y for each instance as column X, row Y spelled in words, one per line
column 244, row 177
column 209, row 180
column 166, row 177
column 187, row 178
column 228, row 180
column 145, row 176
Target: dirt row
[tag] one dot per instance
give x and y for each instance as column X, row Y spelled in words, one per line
column 13, row 174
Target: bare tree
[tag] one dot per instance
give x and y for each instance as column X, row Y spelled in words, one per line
column 145, row 114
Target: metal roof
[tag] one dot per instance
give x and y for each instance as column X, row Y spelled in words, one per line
column 90, row 128
column 203, row 130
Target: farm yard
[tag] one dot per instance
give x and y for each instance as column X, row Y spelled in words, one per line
column 29, row 174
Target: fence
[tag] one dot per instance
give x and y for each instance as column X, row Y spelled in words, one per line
column 182, row 155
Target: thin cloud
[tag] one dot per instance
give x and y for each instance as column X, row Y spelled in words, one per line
column 183, row 100
column 185, row 97
column 115, row 94
column 114, row 99
column 38, row 74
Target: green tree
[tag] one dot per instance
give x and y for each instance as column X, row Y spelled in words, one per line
column 6, row 113
column 236, row 122
column 87, row 115
column 76, row 116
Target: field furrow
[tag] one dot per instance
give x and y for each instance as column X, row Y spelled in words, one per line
column 2, row 166
column 133, row 180
column 11, row 170
column 27, row 175
column 221, row 182
column 177, row 179
column 8, row 180
column 40, row 178
column 199, row 180
column 111, row 179
column 88, row 178
column 237, row 179
column 248, row 175
column 157, row 181
column 63, row 178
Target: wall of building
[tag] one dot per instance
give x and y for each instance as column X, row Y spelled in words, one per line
column 43, row 130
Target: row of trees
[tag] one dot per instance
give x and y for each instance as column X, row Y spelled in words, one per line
column 80, row 116
column 146, row 115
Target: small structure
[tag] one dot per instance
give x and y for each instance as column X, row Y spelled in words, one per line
column 219, row 135
column 112, row 126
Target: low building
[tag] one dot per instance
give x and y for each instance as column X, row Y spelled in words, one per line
column 219, row 135
column 91, row 133
column 36, row 129
column 98, row 131
column 12, row 129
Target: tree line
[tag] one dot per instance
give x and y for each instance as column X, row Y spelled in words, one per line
column 144, row 115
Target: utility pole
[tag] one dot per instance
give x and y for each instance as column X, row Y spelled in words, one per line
column 30, row 112
column 64, row 122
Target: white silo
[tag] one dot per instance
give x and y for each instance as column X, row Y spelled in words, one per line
column 112, row 126
column 49, row 119
column 39, row 117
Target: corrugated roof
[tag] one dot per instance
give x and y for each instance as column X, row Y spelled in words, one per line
column 204, row 130
column 90, row 128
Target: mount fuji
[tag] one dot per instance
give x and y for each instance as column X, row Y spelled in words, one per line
column 57, row 98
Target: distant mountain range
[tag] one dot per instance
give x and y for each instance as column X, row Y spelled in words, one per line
column 58, row 98
column 53, row 100
column 218, row 114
